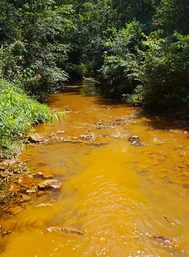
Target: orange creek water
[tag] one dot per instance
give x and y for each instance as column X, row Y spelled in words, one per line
column 117, row 199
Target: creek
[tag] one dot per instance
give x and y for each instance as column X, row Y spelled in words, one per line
column 117, row 199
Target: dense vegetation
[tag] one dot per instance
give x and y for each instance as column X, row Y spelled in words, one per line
column 138, row 50
column 17, row 113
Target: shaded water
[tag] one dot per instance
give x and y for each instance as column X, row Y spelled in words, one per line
column 126, row 200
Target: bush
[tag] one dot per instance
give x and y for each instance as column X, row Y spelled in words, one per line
column 164, row 73
column 117, row 75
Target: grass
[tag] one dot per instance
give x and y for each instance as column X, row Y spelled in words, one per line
column 18, row 112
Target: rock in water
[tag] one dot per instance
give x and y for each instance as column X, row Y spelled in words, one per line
column 65, row 230
column 35, row 138
column 135, row 141
column 50, row 183
column 133, row 138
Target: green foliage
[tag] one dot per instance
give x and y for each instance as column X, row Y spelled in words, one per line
column 172, row 15
column 89, row 88
column 12, row 57
column 43, row 42
column 46, row 50
column 164, row 73
column 17, row 114
column 8, row 22
column 136, row 98
column 37, row 54
column 117, row 74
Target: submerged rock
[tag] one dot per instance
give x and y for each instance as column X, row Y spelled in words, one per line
column 65, row 230
column 60, row 132
column 88, row 136
column 137, row 143
column 43, row 205
column 45, row 175
column 166, row 241
column 5, row 233
column 50, row 183
column 68, row 109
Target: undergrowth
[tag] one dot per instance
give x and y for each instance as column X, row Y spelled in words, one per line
column 18, row 113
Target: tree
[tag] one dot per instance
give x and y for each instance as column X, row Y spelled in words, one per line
column 117, row 75
column 172, row 15
column 164, row 72
column 8, row 21
column 37, row 54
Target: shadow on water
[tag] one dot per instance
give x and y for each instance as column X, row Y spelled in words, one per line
column 108, row 101
column 160, row 122
column 155, row 121
column 51, row 98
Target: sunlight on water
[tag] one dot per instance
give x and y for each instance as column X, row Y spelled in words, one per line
column 117, row 199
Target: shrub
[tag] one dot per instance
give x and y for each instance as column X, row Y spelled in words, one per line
column 164, row 73
column 117, row 75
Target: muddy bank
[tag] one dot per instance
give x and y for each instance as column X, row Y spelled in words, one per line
column 19, row 185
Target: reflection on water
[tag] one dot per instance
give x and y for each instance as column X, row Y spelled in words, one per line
column 117, row 199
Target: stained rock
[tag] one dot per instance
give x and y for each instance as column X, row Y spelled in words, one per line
column 88, row 136
column 45, row 175
column 133, row 138
column 25, row 198
column 68, row 109
column 2, row 167
column 100, row 123
column 43, row 205
column 6, row 163
column 31, row 190
column 60, row 132
column 166, row 241
column 135, row 141
column 48, row 176
column 4, row 173
column 65, row 230
column 35, row 138
column 5, row 233
column 54, row 137
column 50, row 183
